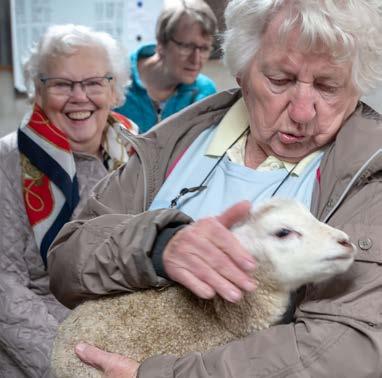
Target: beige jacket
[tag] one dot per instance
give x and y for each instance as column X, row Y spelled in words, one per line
column 337, row 330
column 29, row 313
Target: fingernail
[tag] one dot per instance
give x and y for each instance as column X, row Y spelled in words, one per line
column 80, row 347
column 250, row 285
column 233, row 296
column 249, row 264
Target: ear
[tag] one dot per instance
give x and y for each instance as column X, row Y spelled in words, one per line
column 242, row 82
column 263, row 209
column 113, row 98
column 38, row 95
column 160, row 49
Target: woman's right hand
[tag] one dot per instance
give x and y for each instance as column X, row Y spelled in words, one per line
column 207, row 258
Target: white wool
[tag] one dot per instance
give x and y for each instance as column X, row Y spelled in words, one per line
column 291, row 247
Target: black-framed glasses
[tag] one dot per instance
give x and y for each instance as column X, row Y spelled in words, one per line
column 92, row 86
column 186, row 49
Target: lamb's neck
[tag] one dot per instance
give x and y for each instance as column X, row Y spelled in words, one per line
column 257, row 310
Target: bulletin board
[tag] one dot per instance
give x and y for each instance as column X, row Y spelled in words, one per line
column 132, row 22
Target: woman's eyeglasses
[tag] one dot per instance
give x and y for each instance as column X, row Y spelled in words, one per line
column 186, row 49
column 92, row 86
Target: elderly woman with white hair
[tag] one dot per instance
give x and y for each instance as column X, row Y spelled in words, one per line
column 295, row 128
column 75, row 77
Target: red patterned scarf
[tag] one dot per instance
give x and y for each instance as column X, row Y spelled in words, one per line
column 49, row 180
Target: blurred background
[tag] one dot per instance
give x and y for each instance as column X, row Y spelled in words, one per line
column 132, row 21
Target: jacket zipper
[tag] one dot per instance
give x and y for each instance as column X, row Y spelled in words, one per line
column 351, row 183
column 126, row 136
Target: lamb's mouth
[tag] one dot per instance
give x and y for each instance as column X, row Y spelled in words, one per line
column 339, row 257
column 79, row 116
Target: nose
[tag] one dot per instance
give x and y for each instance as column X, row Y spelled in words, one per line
column 302, row 106
column 78, row 93
column 344, row 241
column 195, row 57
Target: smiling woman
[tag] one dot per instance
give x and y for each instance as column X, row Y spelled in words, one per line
column 75, row 77
column 73, row 100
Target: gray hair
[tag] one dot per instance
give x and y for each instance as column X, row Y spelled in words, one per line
column 350, row 29
column 61, row 40
column 173, row 11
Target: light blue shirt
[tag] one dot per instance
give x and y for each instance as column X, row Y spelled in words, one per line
column 229, row 183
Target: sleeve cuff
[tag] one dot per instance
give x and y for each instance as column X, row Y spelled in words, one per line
column 160, row 244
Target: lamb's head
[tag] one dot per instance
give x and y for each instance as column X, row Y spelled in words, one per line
column 297, row 249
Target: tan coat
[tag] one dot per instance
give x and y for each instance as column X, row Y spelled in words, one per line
column 29, row 313
column 337, row 327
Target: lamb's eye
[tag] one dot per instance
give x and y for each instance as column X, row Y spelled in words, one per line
column 283, row 233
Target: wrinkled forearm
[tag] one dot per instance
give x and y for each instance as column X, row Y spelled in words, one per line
column 27, row 329
column 107, row 254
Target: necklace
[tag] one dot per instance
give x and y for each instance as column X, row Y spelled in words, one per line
column 202, row 186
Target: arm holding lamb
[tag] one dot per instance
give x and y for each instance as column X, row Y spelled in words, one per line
column 104, row 227
column 109, row 222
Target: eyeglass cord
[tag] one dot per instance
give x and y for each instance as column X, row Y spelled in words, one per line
column 283, row 180
column 201, row 186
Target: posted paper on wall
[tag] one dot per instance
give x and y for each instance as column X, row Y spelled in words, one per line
column 132, row 22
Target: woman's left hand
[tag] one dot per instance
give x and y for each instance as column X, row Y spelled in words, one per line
column 112, row 365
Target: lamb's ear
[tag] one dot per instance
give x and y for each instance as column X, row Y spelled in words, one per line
column 262, row 210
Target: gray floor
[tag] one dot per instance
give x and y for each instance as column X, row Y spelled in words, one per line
column 13, row 105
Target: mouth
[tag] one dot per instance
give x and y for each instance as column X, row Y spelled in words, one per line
column 340, row 257
column 192, row 70
column 287, row 138
column 79, row 116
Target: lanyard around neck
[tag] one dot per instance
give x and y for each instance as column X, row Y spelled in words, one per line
column 202, row 186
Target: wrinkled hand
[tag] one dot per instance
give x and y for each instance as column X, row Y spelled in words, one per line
column 206, row 257
column 112, row 365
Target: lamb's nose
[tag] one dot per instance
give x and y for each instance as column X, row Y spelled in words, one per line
column 345, row 242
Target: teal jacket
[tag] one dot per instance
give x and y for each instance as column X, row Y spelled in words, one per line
column 139, row 107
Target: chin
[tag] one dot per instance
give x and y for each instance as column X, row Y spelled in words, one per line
column 292, row 153
column 82, row 135
column 290, row 156
column 189, row 79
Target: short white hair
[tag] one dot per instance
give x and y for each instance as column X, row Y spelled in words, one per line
column 63, row 40
column 173, row 11
column 349, row 29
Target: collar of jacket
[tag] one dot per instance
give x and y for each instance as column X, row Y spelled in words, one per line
column 353, row 158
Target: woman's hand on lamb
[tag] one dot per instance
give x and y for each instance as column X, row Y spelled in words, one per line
column 112, row 365
column 207, row 258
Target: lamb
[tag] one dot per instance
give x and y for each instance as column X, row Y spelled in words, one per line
column 291, row 247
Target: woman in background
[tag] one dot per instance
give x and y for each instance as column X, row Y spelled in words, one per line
column 166, row 78
column 75, row 77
